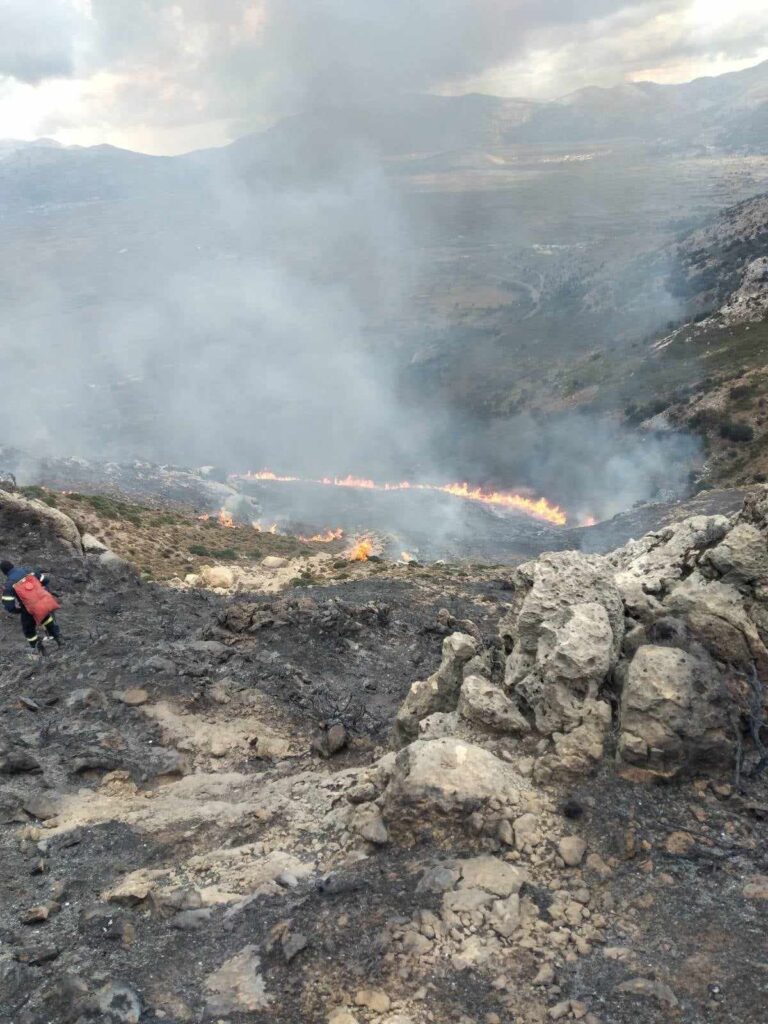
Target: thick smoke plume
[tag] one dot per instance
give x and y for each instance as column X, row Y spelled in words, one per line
column 245, row 307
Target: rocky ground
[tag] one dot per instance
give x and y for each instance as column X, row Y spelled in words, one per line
column 496, row 796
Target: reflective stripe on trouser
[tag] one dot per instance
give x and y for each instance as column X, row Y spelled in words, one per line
column 32, row 640
column 48, row 621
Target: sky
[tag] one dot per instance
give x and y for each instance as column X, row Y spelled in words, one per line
column 167, row 76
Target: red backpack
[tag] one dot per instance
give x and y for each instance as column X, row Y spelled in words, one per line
column 39, row 602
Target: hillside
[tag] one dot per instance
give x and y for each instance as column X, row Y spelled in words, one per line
column 470, row 280
column 725, row 111
column 218, row 807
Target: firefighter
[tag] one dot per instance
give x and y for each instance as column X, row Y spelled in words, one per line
column 26, row 594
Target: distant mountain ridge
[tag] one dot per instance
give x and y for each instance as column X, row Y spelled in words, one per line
column 728, row 112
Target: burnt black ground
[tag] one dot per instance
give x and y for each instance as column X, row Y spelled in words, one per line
column 309, row 653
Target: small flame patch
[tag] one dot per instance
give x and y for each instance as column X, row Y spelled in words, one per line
column 324, row 538
column 362, row 550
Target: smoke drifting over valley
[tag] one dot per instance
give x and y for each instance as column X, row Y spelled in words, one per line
column 270, row 303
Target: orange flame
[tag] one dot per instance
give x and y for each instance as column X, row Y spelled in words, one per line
column 539, row 508
column 264, row 529
column 362, row 550
column 267, row 474
column 204, row 518
column 226, row 519
column 324, row 538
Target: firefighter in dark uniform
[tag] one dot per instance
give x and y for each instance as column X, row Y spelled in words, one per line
column 13, row 604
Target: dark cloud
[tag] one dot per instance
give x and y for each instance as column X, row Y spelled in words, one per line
column 243, row 63
column 246, row 61
column 38, row 39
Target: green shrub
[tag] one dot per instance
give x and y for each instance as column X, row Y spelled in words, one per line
column 225, row 554
column 731, row 430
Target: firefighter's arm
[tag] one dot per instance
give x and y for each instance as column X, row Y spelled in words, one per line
column 10, row 603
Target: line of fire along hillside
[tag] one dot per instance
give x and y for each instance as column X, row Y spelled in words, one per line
column 539, row 508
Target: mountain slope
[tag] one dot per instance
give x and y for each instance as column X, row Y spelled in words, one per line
column 726, row 110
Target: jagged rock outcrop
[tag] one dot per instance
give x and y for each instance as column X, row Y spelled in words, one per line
column 564, row 634
column 671, row 630
column 750, row 300
column 649, row 567
column 438, row 693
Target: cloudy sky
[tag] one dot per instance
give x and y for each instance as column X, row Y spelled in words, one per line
column 165, row 76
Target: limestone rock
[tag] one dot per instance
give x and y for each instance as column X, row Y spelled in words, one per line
column 579, row 751
column 373, row 999
column 92, row 545
column 505, row 917
column 526, row 830
column 741, row 558
column 439, row 878
column 275, row 562
column 565, row 636
column 439, row 693
column 553, row 584
column 716, row 617
column 673, row 710
column 41, row 806
column 574, row 654
column 237, row 986
column 341, row 1015
column 494, row 875
column 572, row 850
column 134, row 697
column 218, row 577
column 466, row 901
column 486, row 705
column 447, row 775
column 113, row 562
column 369, row 824
column 648, row 568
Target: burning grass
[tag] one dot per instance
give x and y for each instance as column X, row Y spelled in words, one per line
column 168, row 541
column 361, row 551
column 539, row 508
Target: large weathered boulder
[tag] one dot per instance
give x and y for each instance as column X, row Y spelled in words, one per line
column 92, row 545
column 439, row 693
column 486, row 705
column 716, row 616
column 17, row 512
column 674, row 711
column 740, row 559
column 447, row 775
column 219, row 577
